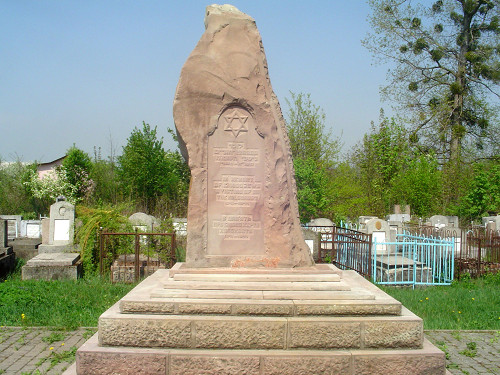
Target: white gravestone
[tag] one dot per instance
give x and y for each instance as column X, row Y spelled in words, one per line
column 62, row 220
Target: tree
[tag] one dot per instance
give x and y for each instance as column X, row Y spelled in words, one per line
column 15, row 197
column 380, row 157
column 314, row 154
column 447, row 67
column 152, row 175
column 77, row 167
column 314, row 195
column 308, row 135
column 483, row 193
column 419, row 184
column 106, row 184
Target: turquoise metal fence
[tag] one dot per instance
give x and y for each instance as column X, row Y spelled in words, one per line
column 413, row 260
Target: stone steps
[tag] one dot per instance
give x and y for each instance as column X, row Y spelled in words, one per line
column 263, row 294
column 256, row 278
column 361, row 330
column 252, row 285
column 179, row 306
column 317, row 269
column 259, row 332
column 355, row 297
column 94, row 359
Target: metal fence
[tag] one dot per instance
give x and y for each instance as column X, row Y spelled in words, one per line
column 344, row 247
column 352, row 250
column 479, row 254
column 130, row 256
column 413, row 260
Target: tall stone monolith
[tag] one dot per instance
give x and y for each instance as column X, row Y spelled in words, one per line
column 243, row 208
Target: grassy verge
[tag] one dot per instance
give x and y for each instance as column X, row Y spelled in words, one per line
column 466, row 304
column 67, row 304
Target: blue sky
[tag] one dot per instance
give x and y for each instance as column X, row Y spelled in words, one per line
column 88, row 72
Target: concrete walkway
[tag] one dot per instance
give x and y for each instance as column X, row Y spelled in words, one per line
column 47, row 351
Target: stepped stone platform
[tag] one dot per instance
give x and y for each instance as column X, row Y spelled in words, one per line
column 313, row 320
column 53, row 266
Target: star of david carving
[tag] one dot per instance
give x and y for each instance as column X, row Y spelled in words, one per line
column 236, row 123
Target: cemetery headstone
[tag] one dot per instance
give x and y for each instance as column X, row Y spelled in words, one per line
column 14, row 225
column 381, row 232
column 45, row 230
column 31, row 228
column 312, row 239
column 438, row 221
column 143, row 222
column 242, row 209
column 61, row 229
column 492, row 222
column 7, row 257
column 58, row 259
column 321, row 222
column 398, row 218
column 4, row 247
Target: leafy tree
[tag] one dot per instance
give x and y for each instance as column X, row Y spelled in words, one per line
column 380, row 157
column 307, row 131
column 446, row 67
column 15, row 197
column 77, row 166
column 419, row 184
column 350, row 199
column 313, row 190
column 105, row 178
column 175, row 197
column 150, row 174
column 483, row 193
column 314, row 154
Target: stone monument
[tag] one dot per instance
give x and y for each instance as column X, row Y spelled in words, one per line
column 249, row 299
column 242, row 201
column 57, row 259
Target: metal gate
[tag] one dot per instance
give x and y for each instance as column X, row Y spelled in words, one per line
column 135, row 255
column 346, row 248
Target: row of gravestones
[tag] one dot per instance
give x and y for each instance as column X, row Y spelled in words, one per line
column 17, row 227
column 386, row 230
column 48, row 245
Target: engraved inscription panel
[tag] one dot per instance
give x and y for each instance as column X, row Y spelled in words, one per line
column 235, row 186
column 61, row 230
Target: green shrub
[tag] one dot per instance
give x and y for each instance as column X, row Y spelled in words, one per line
column 92, row 219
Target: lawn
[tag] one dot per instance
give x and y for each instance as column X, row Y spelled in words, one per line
column 465, row 305
column 65, row 304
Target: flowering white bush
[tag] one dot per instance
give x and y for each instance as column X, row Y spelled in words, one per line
column 52, row 185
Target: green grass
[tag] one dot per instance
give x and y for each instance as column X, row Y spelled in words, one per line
column 67, row 304
column 466, row 304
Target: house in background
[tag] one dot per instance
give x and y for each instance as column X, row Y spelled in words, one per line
column 44, row 168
